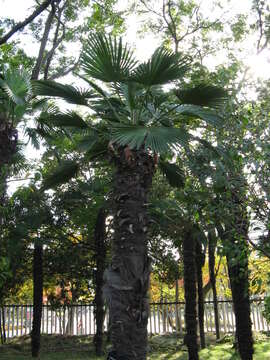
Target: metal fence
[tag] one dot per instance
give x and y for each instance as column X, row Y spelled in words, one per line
column 164, row 318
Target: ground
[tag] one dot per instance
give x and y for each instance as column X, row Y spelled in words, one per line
column 161, row 348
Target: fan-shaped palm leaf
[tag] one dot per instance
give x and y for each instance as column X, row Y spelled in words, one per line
column 68, row 119
column 210, row 116
column 203, row 95
column 17, row 85
column 106, row 58
column 158, row 138
column 174, row 174
column 69, row 93
column 163, row 67
column 63, row 173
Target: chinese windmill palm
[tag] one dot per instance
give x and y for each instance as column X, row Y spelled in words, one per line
column 15, row 92
column 17, row 105
column 133, row 119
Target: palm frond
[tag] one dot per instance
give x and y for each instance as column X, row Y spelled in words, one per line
column 17, row 85
column 107, row 58
column 159, row 139
column 174, row 174
column 33, row 137
column 203, row 95
column 68, row 119
column 62, row 174
column 69, row 93
column 210, row 116
column 87, row 142
column 163, row 67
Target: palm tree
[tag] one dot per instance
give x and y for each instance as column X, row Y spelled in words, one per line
column 15, row 91
column 133, row 120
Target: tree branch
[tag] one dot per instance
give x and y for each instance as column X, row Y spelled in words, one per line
column 56, row 41
column 22, row 24
column 64, row 72
column 49, row 21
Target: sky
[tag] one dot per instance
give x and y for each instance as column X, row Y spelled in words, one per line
column 145, row 45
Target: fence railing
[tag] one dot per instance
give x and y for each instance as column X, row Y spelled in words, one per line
column 164, row 318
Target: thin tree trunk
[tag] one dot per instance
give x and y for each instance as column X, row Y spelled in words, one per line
column 38, row 293
column 43, row 43
column 200, row 259
column 100, row 258
column 177, row 325
column 127, row 279
column 212, row 242
column 2, row 329
column 1, row 333
column 189, row 244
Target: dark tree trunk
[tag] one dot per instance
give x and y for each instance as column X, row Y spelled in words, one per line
column 189, row 245
column 238, row 274
column 2, row 325
column 235, row 238
column 127, row 279
column 200, row 259
column 100, row 258
column 38, row 293
column 212, row 243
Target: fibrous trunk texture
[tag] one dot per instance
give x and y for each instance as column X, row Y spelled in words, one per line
column 38, row 292
column 200, row 259
column 100, row 258
column 211, row 255
column 127, row 279
column 189, row 244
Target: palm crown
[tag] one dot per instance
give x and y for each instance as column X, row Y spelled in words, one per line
column 132, row 107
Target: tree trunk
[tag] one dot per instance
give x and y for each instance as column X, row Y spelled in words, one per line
column 2, row 326
column 127, row 279
column 212, row 243
column 177, row 319
column 189, row 244
column 100, row 258
column 38, row 293
column 200, row 259
column 236, row 247
column 43, row 42
column 238, row 274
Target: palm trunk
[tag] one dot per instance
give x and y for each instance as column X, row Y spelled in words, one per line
column 189, row 245
column 237, row 261
column 127, row 279
column 238, row 274
column 100, row 257
column 211, row 256
column 38, row 292
column 200, row 259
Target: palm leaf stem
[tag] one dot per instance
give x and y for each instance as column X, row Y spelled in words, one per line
column 102, row 93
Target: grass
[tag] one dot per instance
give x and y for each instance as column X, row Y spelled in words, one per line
column 166, row 347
